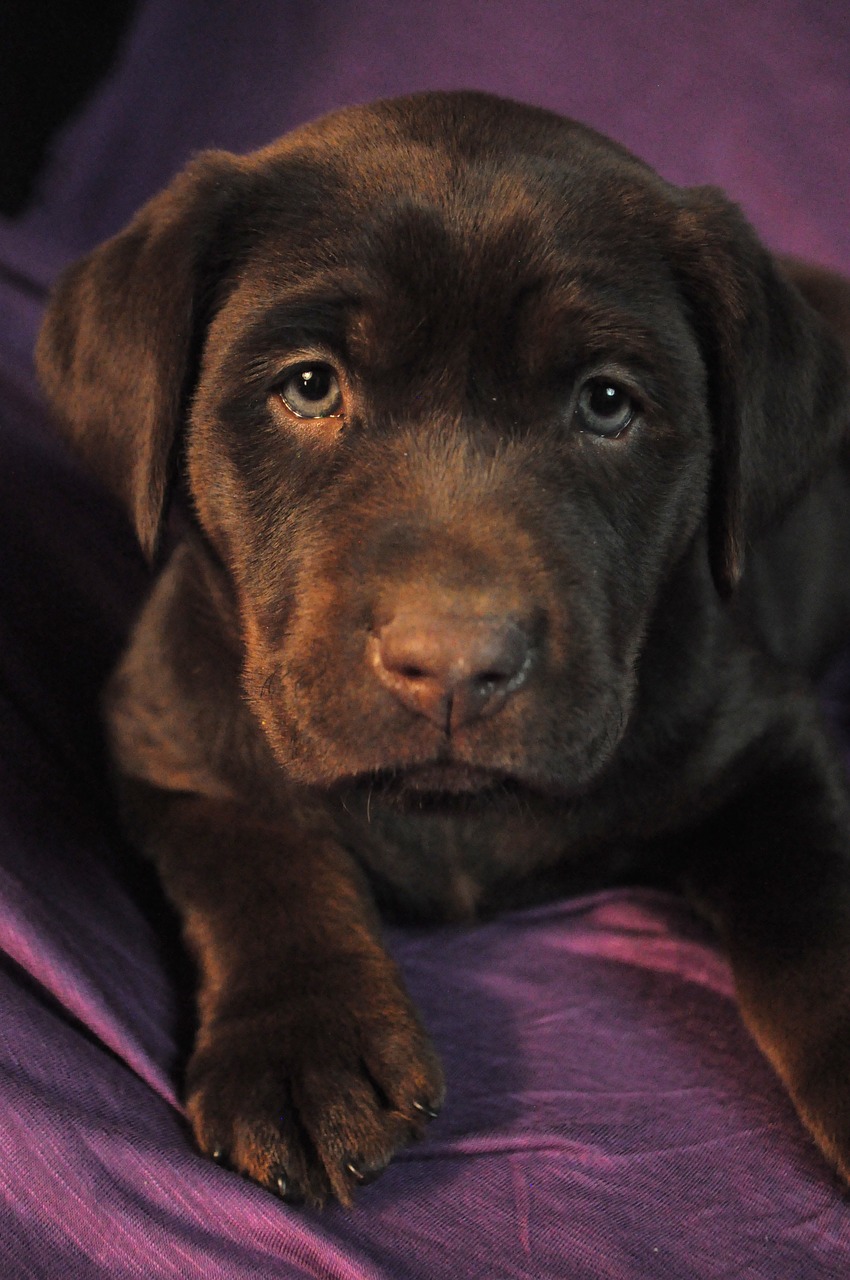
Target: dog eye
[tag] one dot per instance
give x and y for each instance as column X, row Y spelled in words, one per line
column 312, row 391
column 604, row 408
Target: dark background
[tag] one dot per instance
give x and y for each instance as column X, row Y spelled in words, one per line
column 52, row 53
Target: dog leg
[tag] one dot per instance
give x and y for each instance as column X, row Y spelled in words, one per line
column 771, row 869
column 310, row 1068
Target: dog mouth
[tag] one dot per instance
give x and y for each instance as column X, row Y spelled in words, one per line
column 443, row 778
column 435, row 786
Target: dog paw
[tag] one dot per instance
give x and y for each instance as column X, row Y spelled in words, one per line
column 313, row 1096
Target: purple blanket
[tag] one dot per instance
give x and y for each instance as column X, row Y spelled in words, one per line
column 607, row 1115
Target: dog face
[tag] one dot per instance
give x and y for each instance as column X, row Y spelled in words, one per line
column 448, row 444
column 462, row 384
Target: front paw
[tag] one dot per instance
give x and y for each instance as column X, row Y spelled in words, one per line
column 313, row 1094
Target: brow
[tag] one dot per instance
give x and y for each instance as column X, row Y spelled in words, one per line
column 306, row 317
column 591, row 319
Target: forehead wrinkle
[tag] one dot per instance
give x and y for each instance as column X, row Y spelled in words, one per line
column 588, row 312
column 449, row 278
column 575, row 325
column 311, row 316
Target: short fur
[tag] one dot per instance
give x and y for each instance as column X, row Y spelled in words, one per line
column 453, row 647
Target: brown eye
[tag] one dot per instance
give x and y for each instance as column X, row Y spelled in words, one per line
column 604, row 408
column 312, row 391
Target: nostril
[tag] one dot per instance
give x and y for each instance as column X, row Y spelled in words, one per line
column 488, row 679
column 409, row 672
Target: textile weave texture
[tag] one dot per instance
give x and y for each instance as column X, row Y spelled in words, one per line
column 607, row 1115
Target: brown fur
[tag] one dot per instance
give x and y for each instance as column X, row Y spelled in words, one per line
column 457, row 644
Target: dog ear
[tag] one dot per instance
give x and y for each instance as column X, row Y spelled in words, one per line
column 779, row 382
column 121, row 335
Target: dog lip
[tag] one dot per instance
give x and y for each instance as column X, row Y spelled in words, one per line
column 435, row 780
column 450, row 778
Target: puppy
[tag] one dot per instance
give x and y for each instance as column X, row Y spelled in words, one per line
column 517, row 525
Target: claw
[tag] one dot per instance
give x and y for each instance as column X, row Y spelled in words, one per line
column 363, row 1176
column 284, row 1190
column 426, row 1111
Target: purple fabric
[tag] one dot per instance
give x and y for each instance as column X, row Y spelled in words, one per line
column 607, row 1115
column 753, row 97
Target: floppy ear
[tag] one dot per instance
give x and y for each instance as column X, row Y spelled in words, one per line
column 779, row 382
column 121, row 337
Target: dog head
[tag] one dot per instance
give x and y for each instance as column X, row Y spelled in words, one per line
column 455, row 385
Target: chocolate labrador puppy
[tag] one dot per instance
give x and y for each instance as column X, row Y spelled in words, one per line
column 518, row 522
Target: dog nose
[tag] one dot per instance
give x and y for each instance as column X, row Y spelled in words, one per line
column 450, row 668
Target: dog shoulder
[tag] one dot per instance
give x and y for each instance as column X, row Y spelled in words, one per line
column 173, row 709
